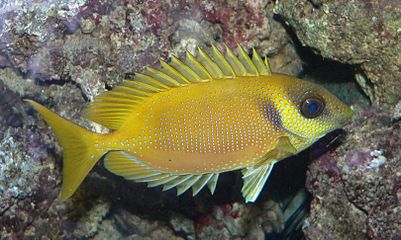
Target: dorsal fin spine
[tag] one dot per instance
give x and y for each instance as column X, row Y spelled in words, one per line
column 246, row 61
column 190, row 60
column 222, row 62
column 172, row 72
column 267, row 64
column 212, row 183
column 149, row 80
column 260, row 65
column 161, row 76
column 185, row 70
column 235, row 63
column 208, row 63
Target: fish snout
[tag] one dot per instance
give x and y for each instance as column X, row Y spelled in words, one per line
column 345, row 117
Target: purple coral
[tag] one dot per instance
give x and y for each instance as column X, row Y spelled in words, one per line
column 356, row 158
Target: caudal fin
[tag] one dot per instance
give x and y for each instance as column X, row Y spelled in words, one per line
column 79, row 155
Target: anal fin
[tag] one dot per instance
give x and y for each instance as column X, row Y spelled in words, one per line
column 131, row 168
column 205, row 179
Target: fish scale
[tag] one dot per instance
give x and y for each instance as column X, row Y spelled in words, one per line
column 184, row 124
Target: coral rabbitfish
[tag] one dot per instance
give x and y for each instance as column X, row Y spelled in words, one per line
column 187, row 122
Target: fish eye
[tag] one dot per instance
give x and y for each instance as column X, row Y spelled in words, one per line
column 312, row 106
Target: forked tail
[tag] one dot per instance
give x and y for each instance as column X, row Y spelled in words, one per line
column 78, row 143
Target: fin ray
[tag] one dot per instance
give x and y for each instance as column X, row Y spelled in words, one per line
column 196, row 187
column 181, row 188
column 191, row 61
column 173, row 73
column 175, row 182
column 235, row 63
column 186, row 71
column 254, row 181
column 162, row 180
column 247, row 62
column 209, row 64
column 222, row 62
column 163, row 77
column 211, row 184
column 260, row 65
column 140, row 77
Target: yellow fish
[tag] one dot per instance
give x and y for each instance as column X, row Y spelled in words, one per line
column 184, row 124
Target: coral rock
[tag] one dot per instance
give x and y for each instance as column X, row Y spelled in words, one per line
column 361, row 33
column 357, row 188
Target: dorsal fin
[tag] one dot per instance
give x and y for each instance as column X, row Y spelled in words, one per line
column 112, row 108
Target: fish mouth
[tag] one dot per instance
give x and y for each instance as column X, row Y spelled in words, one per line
column 339, row 121
column 348, row 114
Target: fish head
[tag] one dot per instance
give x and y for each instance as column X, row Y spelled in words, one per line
column 308, row 110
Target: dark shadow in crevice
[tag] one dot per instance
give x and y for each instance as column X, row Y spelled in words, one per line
column 314, row 4
column 337, row 77
column 60, row 82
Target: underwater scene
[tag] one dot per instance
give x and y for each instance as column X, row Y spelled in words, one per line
column 188, row 119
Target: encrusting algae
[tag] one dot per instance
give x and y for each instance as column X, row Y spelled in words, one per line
column 184, row 124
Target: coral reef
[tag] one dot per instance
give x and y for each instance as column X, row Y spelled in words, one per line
column 356, row 189
column 63, row 53
column 95, row 44
column 365, row 34
column 271, row 220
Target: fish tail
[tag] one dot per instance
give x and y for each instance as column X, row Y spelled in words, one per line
column 80, row 154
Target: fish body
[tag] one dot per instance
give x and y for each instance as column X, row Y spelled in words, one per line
column 183, row 125
column 216, row 127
